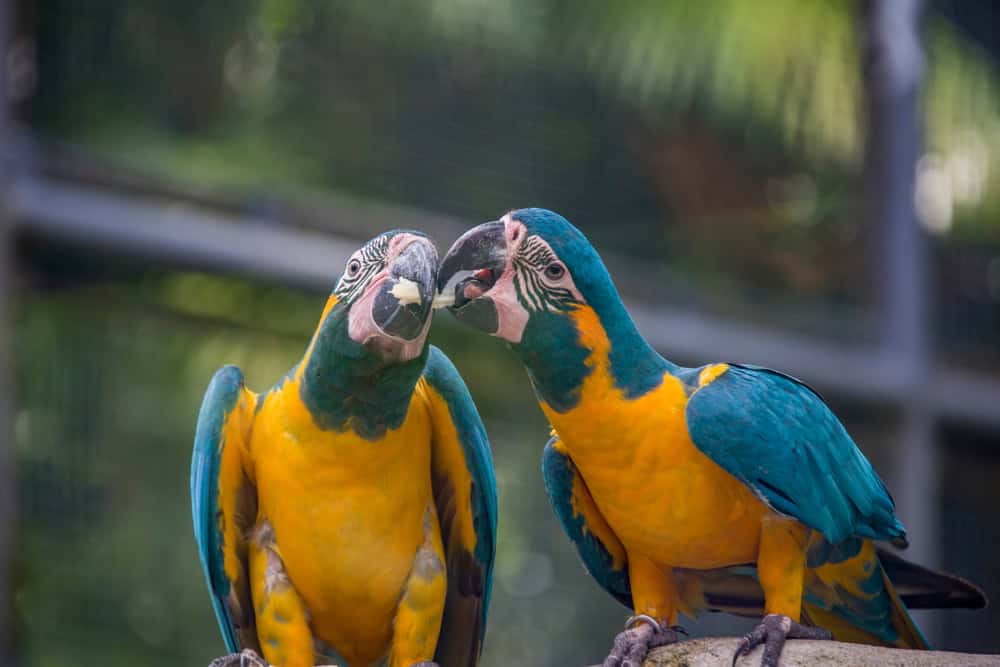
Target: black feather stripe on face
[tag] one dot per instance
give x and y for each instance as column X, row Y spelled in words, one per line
column 372, row 257
column 533, row 292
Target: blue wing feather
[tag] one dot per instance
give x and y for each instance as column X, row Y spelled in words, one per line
column 775, row 434
column 464, row 567
column 221, row 397
column 562, row 481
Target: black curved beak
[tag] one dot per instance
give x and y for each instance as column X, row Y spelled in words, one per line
column 403, row 304
column 470, row 269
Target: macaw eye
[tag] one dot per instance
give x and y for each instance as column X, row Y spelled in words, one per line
column 353, row 267
column 555, row 271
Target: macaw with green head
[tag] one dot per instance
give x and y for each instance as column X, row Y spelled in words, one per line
column 348, row 514
column 726, row 487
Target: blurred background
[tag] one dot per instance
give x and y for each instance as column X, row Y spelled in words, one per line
column 813, row 186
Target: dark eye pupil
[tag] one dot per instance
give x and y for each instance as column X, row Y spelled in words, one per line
column 354, row 266
column 554, row 271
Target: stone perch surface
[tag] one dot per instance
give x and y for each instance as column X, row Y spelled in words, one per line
column 718, row 652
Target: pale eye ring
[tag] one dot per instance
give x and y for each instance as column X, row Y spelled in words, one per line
column 353, row 267
column 555, row 271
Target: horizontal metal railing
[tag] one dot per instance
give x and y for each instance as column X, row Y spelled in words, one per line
column 195, row 235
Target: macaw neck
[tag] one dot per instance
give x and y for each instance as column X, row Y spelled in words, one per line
column 345, row 385
column 561, row 350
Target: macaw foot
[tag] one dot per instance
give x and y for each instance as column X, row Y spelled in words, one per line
column 632, row 644
column 245, row 658
column 772, row 632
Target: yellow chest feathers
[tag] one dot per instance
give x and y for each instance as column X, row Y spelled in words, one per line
column 348, row 514
column 658, row 492
column 608, row 429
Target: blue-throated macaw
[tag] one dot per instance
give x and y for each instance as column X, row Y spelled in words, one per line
column 726, row 487
column 350, row 511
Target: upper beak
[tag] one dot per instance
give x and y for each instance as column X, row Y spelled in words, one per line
column 403, row 304
column 473, row 264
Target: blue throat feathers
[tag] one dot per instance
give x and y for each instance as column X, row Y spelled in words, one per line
column 347, row 386
column 551, row 351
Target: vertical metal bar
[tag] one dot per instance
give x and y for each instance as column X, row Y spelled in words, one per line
column 8, row 479
column 8, row 494
column 894, row 69
column 893, row 75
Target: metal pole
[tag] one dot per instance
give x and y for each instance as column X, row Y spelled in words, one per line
column 8, row 494
column 893, row 75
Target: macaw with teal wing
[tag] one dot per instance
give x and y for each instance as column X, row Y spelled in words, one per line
column 726, row 487
column 348, row 514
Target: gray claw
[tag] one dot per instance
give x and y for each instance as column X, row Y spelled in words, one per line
column 632, row 645
column 772, row 632
column 245, row 658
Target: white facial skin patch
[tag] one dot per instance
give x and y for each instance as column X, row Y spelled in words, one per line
column 406, row 292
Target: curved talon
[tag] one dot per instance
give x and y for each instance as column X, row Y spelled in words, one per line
column 632, row 644
column 772, row 632
column 245, row 658
column 249, row 658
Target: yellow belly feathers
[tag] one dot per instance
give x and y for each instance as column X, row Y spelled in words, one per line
column 348, row 516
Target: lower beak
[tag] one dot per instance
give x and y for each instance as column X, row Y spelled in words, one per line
column 403, row 304
column 470, row 270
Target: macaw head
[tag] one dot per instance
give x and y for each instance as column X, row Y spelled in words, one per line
column 535, row 280
column 369, row 349
column 386, row 292
column 530, row 265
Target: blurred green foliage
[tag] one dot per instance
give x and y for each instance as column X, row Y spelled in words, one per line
column 348, row 95
column 102, row 430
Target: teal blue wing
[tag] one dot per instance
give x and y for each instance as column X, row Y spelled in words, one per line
column 465, row 495
column 776, row 435
column 600, row 550
column 216, row 474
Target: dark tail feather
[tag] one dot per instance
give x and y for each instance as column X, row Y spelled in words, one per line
column 922, row 588
column 909, row 632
